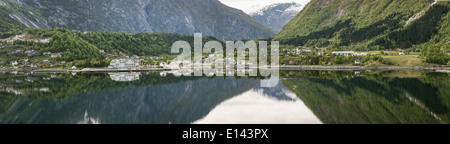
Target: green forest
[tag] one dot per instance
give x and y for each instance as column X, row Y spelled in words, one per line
column 76, row 45
column 373, row 25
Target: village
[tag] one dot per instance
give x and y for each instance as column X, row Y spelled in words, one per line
column 26, row 58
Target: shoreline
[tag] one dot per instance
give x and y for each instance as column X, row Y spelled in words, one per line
column 92, row 70
column 281, row 68
column 355, row 68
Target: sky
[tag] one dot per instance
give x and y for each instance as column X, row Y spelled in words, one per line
column 250, row 5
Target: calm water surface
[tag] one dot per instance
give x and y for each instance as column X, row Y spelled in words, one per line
column 311, row 97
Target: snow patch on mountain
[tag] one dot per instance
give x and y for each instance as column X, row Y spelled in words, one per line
column 275, row 16
column 294, row 8
column 418, row 15
column 254, row 6
column 25, row 21
column 254, row 9
column 2, row 3
column 17, row 2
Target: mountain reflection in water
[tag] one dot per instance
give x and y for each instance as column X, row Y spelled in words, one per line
column 301, row 97
column 276, row 105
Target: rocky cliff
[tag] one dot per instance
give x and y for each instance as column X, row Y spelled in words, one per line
column 209, row 17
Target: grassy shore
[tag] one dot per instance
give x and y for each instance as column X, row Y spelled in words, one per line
column 405, row 60
column 412, row 59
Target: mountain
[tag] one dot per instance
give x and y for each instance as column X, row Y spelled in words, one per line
column 209, row 17
column 371, row 24
column 277, row 15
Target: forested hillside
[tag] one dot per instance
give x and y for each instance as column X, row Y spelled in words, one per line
column 76, row 45
column 421, row 25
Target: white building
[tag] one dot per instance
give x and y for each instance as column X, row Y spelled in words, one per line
column 125, row 64
column 344, row 53
column 401, row 53
column 74, row 67
column 360, row 54
column 55, row 55
column 162, row 64
column 14, row 63
column 178, row 65
column 44, row 89
column 18, row 37
column 46, row 62
column 47, row 40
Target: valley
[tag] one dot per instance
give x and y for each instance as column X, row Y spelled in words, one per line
column 224, row 62
column 413, row 34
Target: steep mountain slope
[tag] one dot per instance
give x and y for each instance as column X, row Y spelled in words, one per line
column 277, row 15
column 209, row 17
column 368, row 24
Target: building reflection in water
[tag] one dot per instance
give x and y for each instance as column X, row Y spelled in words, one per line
column 211, row 72
column 125, row 76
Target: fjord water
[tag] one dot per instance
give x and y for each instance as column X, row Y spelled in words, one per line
column 311, row 97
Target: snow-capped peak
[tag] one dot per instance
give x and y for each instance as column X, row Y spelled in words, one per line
column 254, row 9
column 293, row 7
